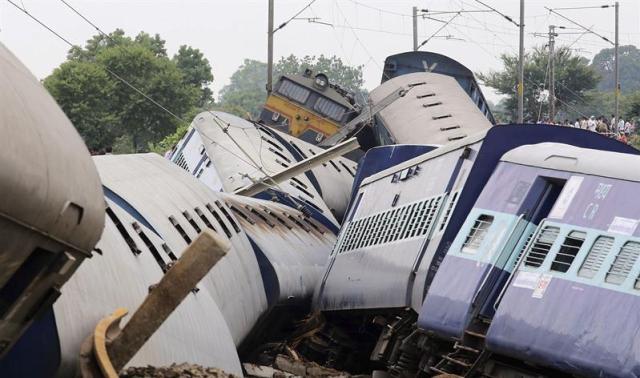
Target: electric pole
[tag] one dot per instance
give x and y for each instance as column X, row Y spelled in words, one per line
column 552, row 76
column 270, row 49
column 521, row 67
column 616, row 69
column 415, row 28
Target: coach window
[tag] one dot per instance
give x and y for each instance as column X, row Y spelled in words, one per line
column 477, row 234
column 568, row 251
column 598, row 252
column 623, row 263
column 539, row 250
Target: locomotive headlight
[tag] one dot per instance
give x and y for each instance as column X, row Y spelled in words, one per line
column 321, row 81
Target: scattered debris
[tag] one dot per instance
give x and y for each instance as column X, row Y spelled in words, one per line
column 183, row 370
column 292, row 366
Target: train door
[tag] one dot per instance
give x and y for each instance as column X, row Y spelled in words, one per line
column 535, row 206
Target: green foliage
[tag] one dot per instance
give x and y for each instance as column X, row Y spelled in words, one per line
column 348, row 77
column 169, row 141
column 196, row 70
column 246, row 93
column 105, row 110
column 499, row 111
column 574, row 78
column 632, row 105
column 85, row 92
column 603, row 64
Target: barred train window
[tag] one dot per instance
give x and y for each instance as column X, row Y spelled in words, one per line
column 623, row 263
column 477, row 234
column 541, row 247
column 568, row 251
column 411, row 220
column 294, row 91
column 524, row 247
column 329, row 108
column 598, row 252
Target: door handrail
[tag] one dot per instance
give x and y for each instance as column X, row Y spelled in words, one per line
column 486, row 277
column 518, row 263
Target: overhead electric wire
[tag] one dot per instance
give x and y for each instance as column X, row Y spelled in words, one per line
column 578, row 24
column 587, row 7
column 217, row 119
column 282, row 25
column 144, row 95
column 438, row 31
column 24, row 10
column 508, row 18
column 380, row 9
column 355, row 35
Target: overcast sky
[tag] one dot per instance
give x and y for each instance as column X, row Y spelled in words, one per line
column 362, row 32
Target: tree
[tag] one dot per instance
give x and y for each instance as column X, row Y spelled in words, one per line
column 574, row 78
column 196, row 70
column 246, row 93
column 84, row 91
column 105, row 108
column 349, row 78
column 603, row 64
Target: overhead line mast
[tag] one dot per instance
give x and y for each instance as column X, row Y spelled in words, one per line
column 521, row 67
column 616, row 45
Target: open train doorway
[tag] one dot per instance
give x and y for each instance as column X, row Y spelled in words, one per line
column 537, row 200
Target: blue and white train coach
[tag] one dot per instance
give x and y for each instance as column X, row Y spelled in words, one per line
column 404, row 226
column 565, row 220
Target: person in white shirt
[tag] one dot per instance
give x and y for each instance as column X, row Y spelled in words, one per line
column 613, row 124
column 591, row 124
column 621, row 126
column 577, row 124
column 583, row 123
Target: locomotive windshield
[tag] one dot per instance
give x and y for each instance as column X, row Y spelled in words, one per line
column 329, row 109
column 294, row 91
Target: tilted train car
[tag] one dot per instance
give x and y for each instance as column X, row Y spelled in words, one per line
column 415, row 108
column 155, row 210
column 572, row 305
column 308, row 107
column 51, row 204
column 228, row 153
column 426, row 61
column 526, row 199
column 400, row 228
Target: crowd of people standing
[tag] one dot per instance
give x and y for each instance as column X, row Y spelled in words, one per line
column 615, row 128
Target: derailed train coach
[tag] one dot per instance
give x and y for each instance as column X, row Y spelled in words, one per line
column 542, row 279
column 49, row 220
column 154, row 210
column 142, row 211
column 228, row 153
column 401, row 226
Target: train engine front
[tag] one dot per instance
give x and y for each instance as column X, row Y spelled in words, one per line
column 308, row 107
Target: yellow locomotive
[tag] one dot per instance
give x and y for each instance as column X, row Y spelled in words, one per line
column 308, row 107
